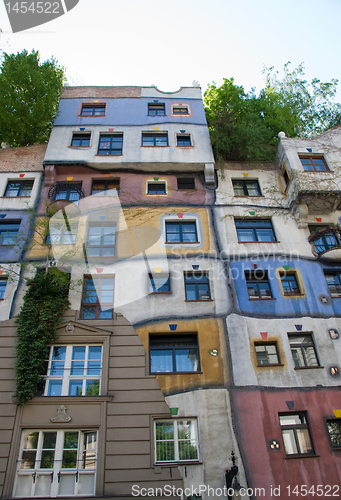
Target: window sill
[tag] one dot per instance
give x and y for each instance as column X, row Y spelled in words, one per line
column 185, row 147
column 199, row 300
column 258, row 298
column 182, row 242
column 302, row 455
column 180, row 462
column 159, row 293
column 70, row 399
column 11, row 197
column 156, row 194
column 91, row 116
column 249, row 196
column 154, row 116
column 293, row 296
column 79, row 147
column 259, row 241
column 318, row 171
column 307, row 367
column 176, row 373
column 101, row 156
column 155, row 146
column 336, row 296
column 270, row 365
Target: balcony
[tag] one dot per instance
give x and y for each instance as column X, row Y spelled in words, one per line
column 62, row 194
column 319, row 201
column 326, row 243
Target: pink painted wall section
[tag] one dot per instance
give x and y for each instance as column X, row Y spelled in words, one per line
column 257, row 424
column 133, row 187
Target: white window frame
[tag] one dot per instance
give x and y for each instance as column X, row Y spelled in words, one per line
column 53, row 477
column 194, row 439
column 186, row 218
column 160, row 181
column 181, row 105
column 66, row 377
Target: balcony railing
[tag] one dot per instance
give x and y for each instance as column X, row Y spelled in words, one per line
column 326, row 239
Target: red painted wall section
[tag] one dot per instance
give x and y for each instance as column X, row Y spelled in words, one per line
column 257, row 423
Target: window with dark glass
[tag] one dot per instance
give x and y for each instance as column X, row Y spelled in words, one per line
column 80, row 140
column 156, row 188
column 173, row 353
column 93, row 110
column 176, row 440
column 267, row 353
column 101, row 240
column 333, row 279
column 110, row 144
column 313, row 164
column 258, row 285
column 180, row 110
column 71, row 191
column 18, row 188
column 181, row 232
column 303, row 350
column 197, row 286
column 186, row 183
column 327, row 240
column 255, row 230
column 3, row 284
column 155, row 140
column 183, row 140
column 98, row 298
column 334, row 431
column 102, row 186
column 295, row 433
column 9, row 233
column 159, row 283
column 290, row 284
column 246, row 188
column 156, row 109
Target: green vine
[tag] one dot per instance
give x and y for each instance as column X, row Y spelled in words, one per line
column 44, row 304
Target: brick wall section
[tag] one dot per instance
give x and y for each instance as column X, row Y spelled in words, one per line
column 100, row 92
column 23, row 159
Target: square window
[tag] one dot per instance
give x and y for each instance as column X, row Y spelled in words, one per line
column 333, row 279
column 289, row 283
column 156, row 109
column 9, row 233
column 258, row 285
column 176, row 440
column 313, row 163
column 197, row 286
column 296, row 435
column 180, row 110
column 18, row 189
column 80, row 140
column 181, row 232
column 334, row 431
column 267, row 354
column 71, row 191
column 3, row 284
column 154, row 140
column 61, row 235
column 102, row 186
column 98, row 298
column 246, row 188
column 303, row 350
column 186, row 183
column 156, row 187
column 110, row 144
column 257, row 230
column 159, row 283
column 173, row 353
column 93, row 110
column 101, row 240
column 183, row 140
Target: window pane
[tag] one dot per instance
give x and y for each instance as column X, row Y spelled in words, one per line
column 265, row 235
column 334, row 430
column 86, row 484
column 105, row 313
column 69, row 459
column 24, row 485
column 92, row 388
column 76, row 388
column 289, row 442
column 246, row 235
column 187, row 440
column 238, row 188
column 186, row 360
column 55, row 388
column 67, row 484
column 161, row 361
column 89, row 313
column 43, row 485
column 164, row 436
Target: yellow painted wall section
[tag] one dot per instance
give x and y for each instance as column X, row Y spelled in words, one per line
column 211, row 335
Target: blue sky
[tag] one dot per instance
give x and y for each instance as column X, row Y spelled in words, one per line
column 169, row 44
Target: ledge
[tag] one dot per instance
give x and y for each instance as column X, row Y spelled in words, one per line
column 303, row 455
column 271, row 365
column 203, row 300
column 258, row 298
column 259, row 241
column 176, row 373
column 52, row 400
column 307, row 367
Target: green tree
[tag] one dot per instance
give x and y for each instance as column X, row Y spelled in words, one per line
column 29, row 96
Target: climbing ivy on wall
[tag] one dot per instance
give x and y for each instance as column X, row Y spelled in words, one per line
column 44, row 304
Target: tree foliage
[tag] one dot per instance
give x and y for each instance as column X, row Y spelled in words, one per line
column 244, row 126
column 29, row 97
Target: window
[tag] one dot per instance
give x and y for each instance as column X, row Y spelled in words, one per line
column 267, row 354
column 246, row 188
column 93, row 110
column 327, row 240
column 303, row 350
column 61, row 235
column 313, row 164
column 296, row 436
column 186, row 183
column 71, row 191
column 197, row 286
column 183, row 140
column 255, row 230
column 56, row 463
column 110, row 144
column 80, row 140
column 156, row 109
column 334, row 431
column 285, row 179
column 258, row 285
column 180, row 110
column 181, row 232
column 98, row 298
column 9, row 233
column 176, row 440
column 173, row 353
column 101, row 240
column 290, row 284
column 74, row 371
column 3, row 284
column 154, row 140
column 333, row 279
column 156, row 187
column 102, row 186
column 159, row 283
column 18, row 189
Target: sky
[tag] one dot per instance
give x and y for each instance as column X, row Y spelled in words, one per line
column 171, row 43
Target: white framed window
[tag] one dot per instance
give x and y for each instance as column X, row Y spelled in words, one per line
column 74, row 370
column 156, row 188
column 176, row 440
column 61, row 235
column 55, row 463
column 180, row 110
